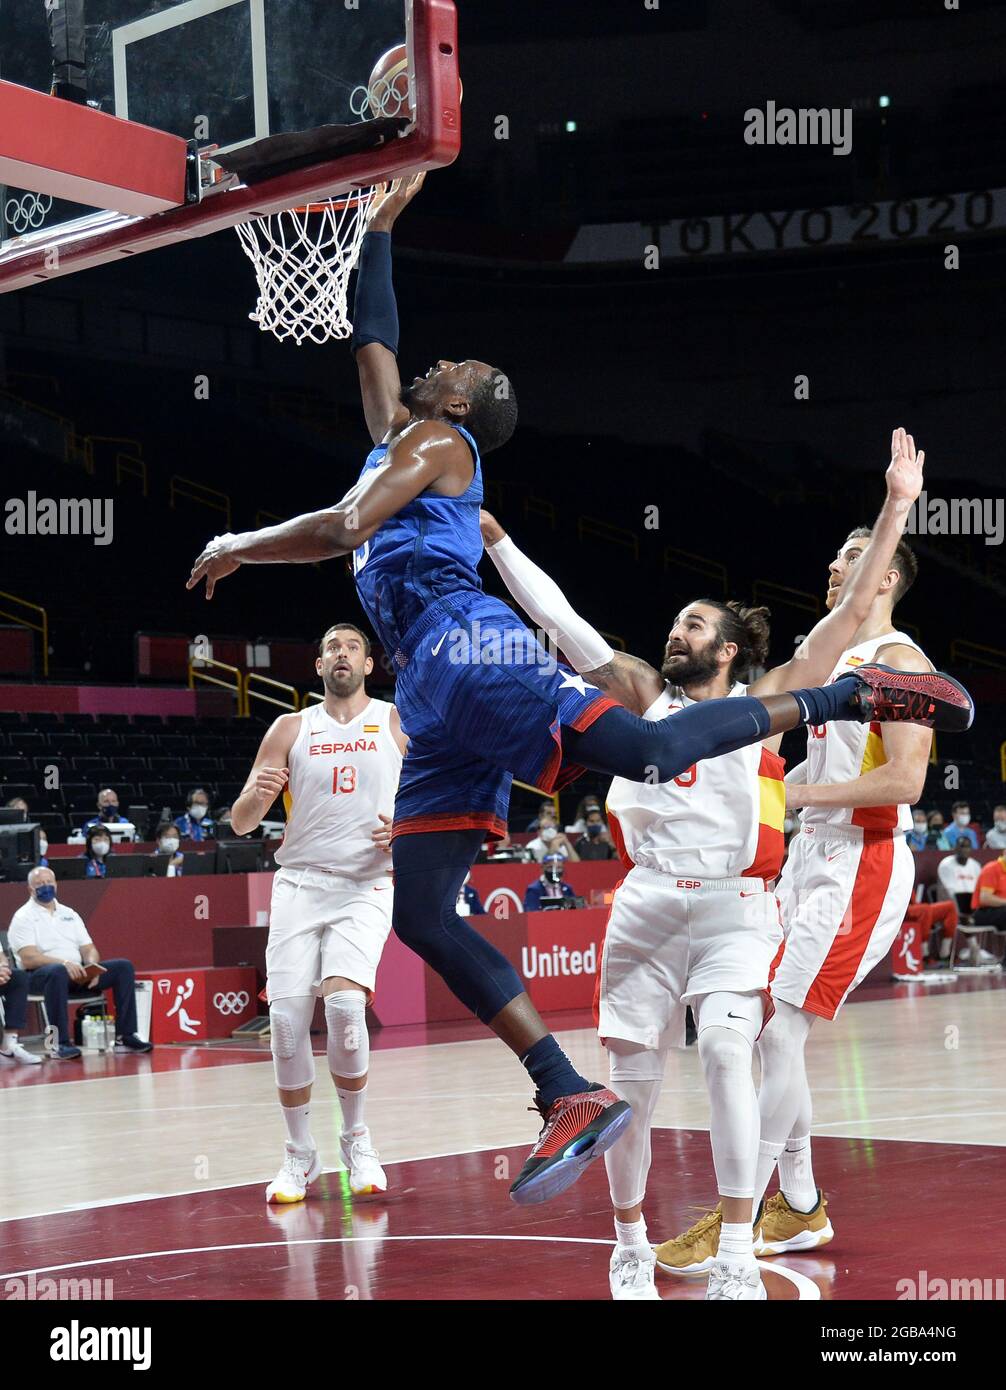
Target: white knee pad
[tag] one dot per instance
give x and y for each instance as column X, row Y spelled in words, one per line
column 741, row 1013
column 348, row 1040
column 292, row 1058
column 636, row 1074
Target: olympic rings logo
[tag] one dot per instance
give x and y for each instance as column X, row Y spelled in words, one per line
column 230, row 1003
column 28, row 211
column 382, row 99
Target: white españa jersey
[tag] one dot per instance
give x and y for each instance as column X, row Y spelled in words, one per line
column 341, row 776
column 844, row 750
column 720, row 818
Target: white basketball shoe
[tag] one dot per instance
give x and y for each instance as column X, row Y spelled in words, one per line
column 366, row 1176
column 731, row 1283
column 630, row 1274
column 300, row 1168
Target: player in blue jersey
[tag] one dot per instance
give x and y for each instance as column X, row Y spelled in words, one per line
column 481, row 701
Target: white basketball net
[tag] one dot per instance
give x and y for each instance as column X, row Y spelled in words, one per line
column 303, row 259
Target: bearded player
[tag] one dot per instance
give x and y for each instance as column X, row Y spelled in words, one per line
column 695, row 922
column 337, row 766
column 843, row 895
column 480, row 700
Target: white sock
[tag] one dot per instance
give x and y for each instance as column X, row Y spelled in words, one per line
column 8, row 1041
column 796, row 1174
column 768, row 1157
column 631, row 1232
column 297, row 1127
column 352, row 1110
column 736, row 1242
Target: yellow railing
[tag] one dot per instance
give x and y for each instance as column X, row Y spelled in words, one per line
column 540, row 506
column 198, row 492
column 767, row 591
column 71, row 440
column 591, row 528
column 708, row 569
column 311, row 698
column 974, row 654
column 197, row 671
column 42, row 627
column 614, row 639
column 125, row 462
column 250, row 694
column 545, row 796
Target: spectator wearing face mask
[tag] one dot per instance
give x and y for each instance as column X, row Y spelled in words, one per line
column 96, row 851
column 960, row 826
column 918, row 836
column 595, row 842
column 996, row 837
column 550, row 839
column 545, row 808
column 52, row 944
column 587, row 804
column 548, row 885
column 108, row 810
column 958, row 875
column 469, row 903
column 196, row 823
column 936, row 839
column 168, row 840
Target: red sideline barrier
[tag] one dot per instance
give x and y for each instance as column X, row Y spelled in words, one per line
column 156, row 923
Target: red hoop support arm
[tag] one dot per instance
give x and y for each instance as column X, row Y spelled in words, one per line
column 434, row 142
column 69, row 151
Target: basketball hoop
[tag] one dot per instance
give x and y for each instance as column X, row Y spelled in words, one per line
column 303, row 259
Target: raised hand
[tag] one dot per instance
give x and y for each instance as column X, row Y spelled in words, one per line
column 390, row 199
column 269, row 782
column 904, row 473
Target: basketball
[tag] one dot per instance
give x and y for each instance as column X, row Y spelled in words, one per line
column 388, row 87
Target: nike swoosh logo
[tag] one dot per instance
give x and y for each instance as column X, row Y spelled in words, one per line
column 743, row 1016
column 750, row 895
column 834, row 856
column 440, row 644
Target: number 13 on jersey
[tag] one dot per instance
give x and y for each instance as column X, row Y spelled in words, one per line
column 343, row 779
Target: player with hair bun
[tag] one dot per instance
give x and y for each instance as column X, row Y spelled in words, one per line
column 695, row 921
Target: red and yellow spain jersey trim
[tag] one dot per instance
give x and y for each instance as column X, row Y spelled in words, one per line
column 874, row 756
column 618, row 838
column 771, row 844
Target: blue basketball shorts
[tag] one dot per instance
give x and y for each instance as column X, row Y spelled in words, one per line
column 482, row 702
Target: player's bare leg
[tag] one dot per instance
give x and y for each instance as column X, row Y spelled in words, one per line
column 348, row 1063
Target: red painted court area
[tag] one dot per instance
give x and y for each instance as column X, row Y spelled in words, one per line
column 447, row 1231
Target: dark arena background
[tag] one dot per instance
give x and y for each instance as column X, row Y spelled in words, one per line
column 712, row 332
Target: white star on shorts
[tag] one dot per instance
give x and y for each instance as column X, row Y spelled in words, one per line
column 576, row 683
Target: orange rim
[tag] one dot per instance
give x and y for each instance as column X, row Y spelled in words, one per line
column 338, row 204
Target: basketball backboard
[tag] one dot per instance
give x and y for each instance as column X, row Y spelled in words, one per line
column 226, row 73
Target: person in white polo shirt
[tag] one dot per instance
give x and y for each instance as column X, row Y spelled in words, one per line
column 52, row 944
column 958, row 874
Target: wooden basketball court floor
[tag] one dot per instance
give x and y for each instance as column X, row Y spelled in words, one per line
column 146, row 1174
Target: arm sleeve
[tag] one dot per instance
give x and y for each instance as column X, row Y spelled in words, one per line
column 375, row 312
column 540, row 597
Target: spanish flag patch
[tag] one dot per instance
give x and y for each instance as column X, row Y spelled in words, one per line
column 371, row 728
column 854, row 661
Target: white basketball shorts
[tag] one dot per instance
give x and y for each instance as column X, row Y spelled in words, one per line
column 843, row 895
column 670, row 940
column 322, row 925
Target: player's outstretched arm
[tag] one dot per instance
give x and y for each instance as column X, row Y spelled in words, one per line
column 817, row 655
column 268, row 777
column 375, row 312
column 427, row 453
column 900, row 780
column 625, row 678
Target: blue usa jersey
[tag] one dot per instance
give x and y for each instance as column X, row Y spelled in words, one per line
column 428, row 550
